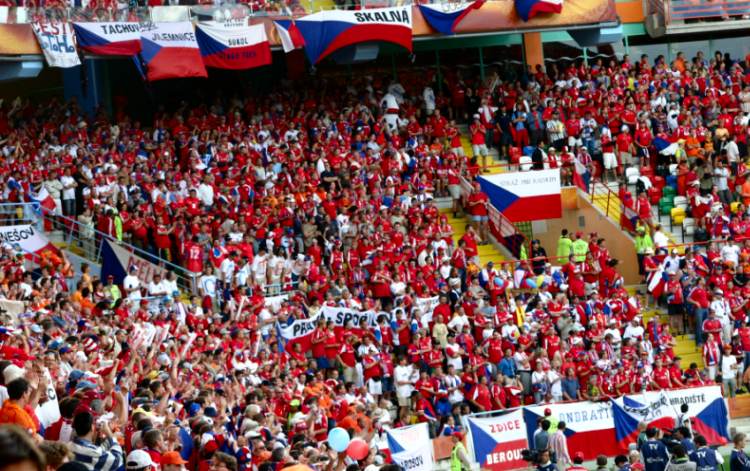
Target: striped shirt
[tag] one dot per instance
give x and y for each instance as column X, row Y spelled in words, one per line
column 558, row 443
column 106, row 457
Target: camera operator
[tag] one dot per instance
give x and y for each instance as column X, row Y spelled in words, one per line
column 706, row 459
column 654, row 452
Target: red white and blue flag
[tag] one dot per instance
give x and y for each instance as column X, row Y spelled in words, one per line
column 289, row 35
column 657, row 281
column 328, row 31
column 411, row 448
column 170, row 50
column 497, row 442
column 525, row 196
column 588, row 426
column 444, row 17
column 109, row 39
column 233, row 45
column 44, row 201
column 528, row 9
column 706, row 409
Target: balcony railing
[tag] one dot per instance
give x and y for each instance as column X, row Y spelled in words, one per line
column 687, row 10
column 179, row 10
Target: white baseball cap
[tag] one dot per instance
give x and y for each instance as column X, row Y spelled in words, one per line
column 138, row 459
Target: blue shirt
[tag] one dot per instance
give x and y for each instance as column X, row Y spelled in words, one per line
column 655, row 455
column 570, row 387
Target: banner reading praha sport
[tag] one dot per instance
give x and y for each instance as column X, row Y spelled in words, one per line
column 411, row 447
column 327, row 31
column 608, row 427
column 497, row 442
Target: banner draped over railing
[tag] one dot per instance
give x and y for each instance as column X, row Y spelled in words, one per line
column 594, row 428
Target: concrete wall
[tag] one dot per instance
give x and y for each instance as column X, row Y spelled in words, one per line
column 580, row 215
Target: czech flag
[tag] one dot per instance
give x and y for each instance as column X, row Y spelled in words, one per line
column 657, row 281
column 289, row 35
column 528, row 9
column 525, row 196
column 328, row 31
column 170, row 50
column 233, row 46
column 109, row 39
column 44, row 200
column 706, row 408
column 498, row 442
column 444, row 21
column 588, row 426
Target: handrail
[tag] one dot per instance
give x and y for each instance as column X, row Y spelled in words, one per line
column 689, row 10
column 501, row 228
column 613, row 199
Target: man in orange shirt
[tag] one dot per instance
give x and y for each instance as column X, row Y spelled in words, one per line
column 12, row 412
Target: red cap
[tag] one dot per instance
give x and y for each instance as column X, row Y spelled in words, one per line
column 548, row 411
column 458, row 435
column 577, row 456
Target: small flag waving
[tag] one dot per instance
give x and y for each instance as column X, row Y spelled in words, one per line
column 444, row 21
column 233, row 46
column 528, row 9
column 290, row 36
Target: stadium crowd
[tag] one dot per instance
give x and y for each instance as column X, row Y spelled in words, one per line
column 325, row 194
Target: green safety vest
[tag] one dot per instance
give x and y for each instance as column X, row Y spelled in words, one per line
column 456, row 463
column 580, row 248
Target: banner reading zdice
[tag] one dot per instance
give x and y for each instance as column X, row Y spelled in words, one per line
column 411, row 447
column 498, row 441
column 525, row 196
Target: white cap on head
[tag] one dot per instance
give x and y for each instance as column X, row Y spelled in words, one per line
column 12, row 373
column 138, row 459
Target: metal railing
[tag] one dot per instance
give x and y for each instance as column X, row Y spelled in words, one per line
column 680, row 10
column 88, row 242
column 172, row 10
column 604, row 198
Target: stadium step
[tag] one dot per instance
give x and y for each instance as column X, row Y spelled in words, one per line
column 487, row 253
column 686, row 347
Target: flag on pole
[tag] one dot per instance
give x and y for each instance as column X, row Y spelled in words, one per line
column 290, row 36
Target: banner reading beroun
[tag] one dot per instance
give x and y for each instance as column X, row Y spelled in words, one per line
column 498, row 441
column 525, row 196
column 57, row 42
column 411, row 447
